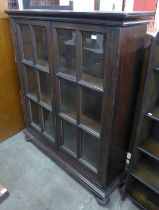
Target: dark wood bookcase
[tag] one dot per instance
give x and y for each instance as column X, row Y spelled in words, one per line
column 79, row 76
column 142, row 184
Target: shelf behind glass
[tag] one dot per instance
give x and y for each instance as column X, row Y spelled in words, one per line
column 49, row 123
column 26, row 42
column 91, row 106
column 90, row 149
column 68, row 98
column 66, row 71
column 86, row 121
column 93, row 81
column 41, row 46
column 69, row 136
column 45, row 88
column 93, row 49
column 67, row 52
column 35, row 116
column 31, row 80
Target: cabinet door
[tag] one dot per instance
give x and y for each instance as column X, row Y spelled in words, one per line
column 36, row 71
column 80, row 67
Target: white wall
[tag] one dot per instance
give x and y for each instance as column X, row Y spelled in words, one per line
column 80, row 5
column 107, row 5
column 83, row 5
column 157, row 16
column 64, row 2
column 20, row 2
column 129, row 5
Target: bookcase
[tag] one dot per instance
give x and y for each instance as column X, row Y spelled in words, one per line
column 79, row 74
column 142, row 184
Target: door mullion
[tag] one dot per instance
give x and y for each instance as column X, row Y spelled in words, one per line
column 51, row 51
column 78, row 99
column 33, row 45
column 37, row 79
column 42, row 119
column 56, row 85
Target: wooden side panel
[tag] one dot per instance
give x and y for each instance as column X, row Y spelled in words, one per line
column 11, row 116
column 131, row 54
column 147, row 51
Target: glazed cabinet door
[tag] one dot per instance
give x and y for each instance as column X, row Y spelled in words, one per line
column 36, row 70
column 80, row 65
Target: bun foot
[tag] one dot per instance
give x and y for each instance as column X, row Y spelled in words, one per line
column 27, row 138
column 103, row 202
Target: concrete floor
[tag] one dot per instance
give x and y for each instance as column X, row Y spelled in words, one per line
column 36, row 183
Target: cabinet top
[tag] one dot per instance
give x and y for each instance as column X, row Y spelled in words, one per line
column 117, row 18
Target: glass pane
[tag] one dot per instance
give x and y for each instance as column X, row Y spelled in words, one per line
column 90, row 149
column 91, row 109
column 68, row 98
column 35, row 113
column 49, row 123
column 67, row 51
column 45, row 87
column 27, row 42
column 70, row 136
column 41, row 46
column 31, row 81
column 93, row 58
